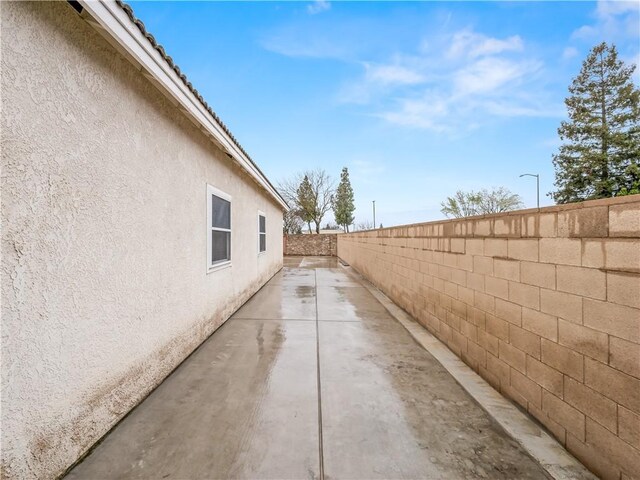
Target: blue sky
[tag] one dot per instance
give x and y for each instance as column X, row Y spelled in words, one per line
column 417, row 99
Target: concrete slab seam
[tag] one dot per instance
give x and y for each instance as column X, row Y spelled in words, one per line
column 542, row 447
column 292, row 320
column 319, row 386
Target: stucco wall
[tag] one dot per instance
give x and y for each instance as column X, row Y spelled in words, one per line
column 544, row 305
column 323, row 244
column 104, row 281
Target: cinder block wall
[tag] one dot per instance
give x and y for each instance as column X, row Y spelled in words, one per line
column 545, row 305
column 323, row 244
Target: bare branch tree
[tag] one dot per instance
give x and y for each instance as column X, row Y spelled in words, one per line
column 292, row 223
column 310, row 194
column 462, row 204
column 498, row 200
column 323, row 188
column 288, row 188
column 365, row 225
column 466, row 204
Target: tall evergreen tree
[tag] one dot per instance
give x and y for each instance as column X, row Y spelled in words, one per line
column 343, row 206
column 306, row 201
column 600, row 156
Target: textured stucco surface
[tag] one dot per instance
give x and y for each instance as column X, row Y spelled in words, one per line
column 104, row 281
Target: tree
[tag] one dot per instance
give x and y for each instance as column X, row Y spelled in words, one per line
column 292, row 223
column 498, row 200
column 321, row 188
column 294, row 218
column 343, row 206
column 305, row 200
column 600, row 156
column 309, row 194
column 365, row 225
column 462, row 204
column 482, row 202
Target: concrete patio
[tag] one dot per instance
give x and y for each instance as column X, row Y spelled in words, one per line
column 311, row 378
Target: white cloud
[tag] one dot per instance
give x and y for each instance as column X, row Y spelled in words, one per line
column 472, row 45
column 318, row 6
column 504, row 108
column 392, row 75
column 320, row 36
column 359, row 93
column 427, row 112
column 470, row 62
column 613, row 20
column 585, row 32
column 452, row 82
column 467, row 86
column 291, row 43
column 489, row 74
column 381, row 78
column 442, row 112
column 607, row 8
column 569, row 52
column 457, row 83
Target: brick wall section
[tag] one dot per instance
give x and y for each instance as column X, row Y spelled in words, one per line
column 323, row 244
column 544, row 305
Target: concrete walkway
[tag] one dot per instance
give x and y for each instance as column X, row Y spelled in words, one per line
column 311, row 378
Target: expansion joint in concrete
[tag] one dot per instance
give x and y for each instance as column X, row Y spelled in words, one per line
column 320, row 446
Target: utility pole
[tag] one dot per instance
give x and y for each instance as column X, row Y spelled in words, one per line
column 374, row 214
column 537, row 186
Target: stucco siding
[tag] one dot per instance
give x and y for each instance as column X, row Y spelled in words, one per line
column 104, row 244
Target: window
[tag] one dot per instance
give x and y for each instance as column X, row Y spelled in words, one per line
column 262, row 232
column 219, row 227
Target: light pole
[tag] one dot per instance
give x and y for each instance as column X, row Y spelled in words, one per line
column 537, row 186
column 374, row 214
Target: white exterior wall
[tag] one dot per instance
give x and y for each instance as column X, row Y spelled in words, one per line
column 104, row 237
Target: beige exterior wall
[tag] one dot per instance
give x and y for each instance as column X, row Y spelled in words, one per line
column 323, row 244
column 544, row 305
column 104, row 281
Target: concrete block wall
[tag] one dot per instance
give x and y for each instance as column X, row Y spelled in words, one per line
column 543, row 304
column 323, row 244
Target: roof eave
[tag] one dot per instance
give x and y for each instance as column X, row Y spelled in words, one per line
column 119, row 28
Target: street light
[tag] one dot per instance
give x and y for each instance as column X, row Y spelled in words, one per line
column 374, row 214
column 537, row 186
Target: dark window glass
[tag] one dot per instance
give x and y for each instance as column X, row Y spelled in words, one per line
column 221, row 211
column 262, row 227
column 220, row 246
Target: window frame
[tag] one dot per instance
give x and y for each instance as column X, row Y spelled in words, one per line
column 219, row 264
column 262, row 214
